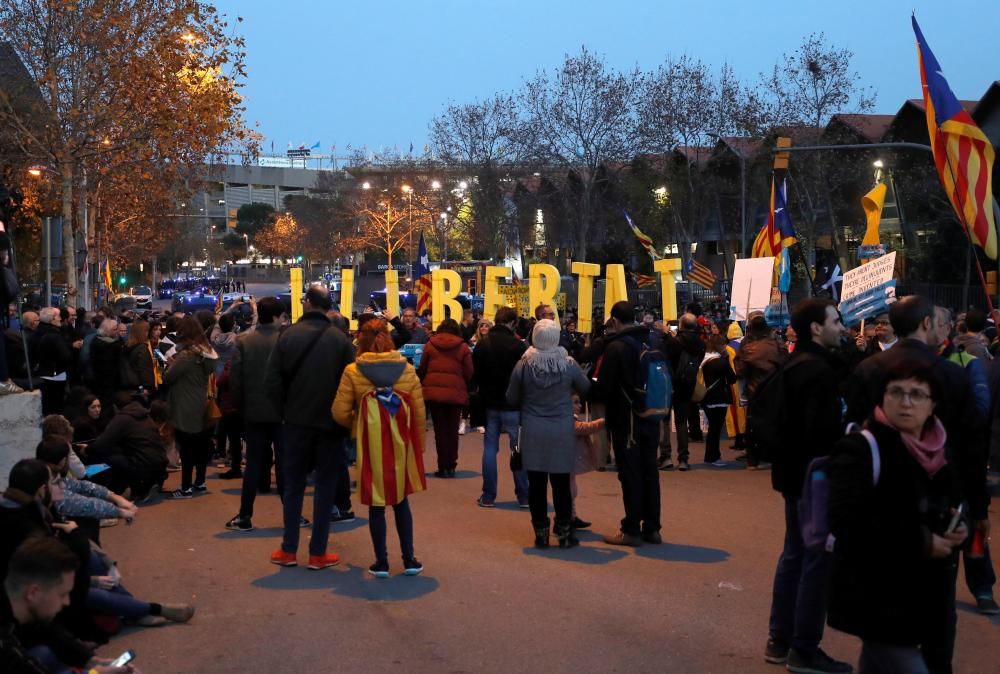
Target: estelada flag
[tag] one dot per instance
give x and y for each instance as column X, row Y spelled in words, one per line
column 778, row 233
column 107, row 274
column 218, row 302
column 422, row 277
column 963, row 154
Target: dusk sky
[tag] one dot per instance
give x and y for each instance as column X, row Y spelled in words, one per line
column 376, row 73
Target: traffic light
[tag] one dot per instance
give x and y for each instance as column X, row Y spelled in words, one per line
column 231, row 219
column 298, row 259
column 122, row 280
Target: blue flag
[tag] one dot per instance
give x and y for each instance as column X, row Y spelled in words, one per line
column 315, row 146
column 423, row 265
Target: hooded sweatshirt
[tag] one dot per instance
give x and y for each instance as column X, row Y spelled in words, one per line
column 371, row 371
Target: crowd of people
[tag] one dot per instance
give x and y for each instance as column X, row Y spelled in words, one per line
column 894, row 415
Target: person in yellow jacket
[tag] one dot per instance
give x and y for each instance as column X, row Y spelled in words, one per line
column 736, row 417
column 380, row 400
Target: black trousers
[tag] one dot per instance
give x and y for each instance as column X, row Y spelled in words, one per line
column 195, row 450
column 404, row 529
column 538, row 502
column 263, row 444
column 638, row 473
column 716, row 420
column 229, row 439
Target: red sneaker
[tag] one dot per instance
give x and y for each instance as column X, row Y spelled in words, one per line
column 282, row 558
column 317, row 562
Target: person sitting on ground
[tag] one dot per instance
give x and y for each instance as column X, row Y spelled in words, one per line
column 90, row 423
column 378, row 391
column 131, row 445
column 36, row 587
column 84, row 499
column 56, row 426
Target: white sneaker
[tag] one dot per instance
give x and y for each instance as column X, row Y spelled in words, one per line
column 461, row 427
column 481, row 430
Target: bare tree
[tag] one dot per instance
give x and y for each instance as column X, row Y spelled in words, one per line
column 580, row 118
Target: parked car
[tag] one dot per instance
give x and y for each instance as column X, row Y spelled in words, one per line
column 143, row 296
column 166, row 289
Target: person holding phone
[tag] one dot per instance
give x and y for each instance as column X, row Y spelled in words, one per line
column 895, row 511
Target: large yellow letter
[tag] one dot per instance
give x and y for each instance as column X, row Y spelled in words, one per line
column 492, row 299
column 543, row 286
column 445, row 286
column 586, row 273
column 347, row 296
column 614, row 287
column 295, row 281
column 668, row 285
column 392, row 291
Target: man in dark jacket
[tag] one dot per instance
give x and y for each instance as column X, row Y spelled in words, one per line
column 261, row 418
column 684, row 351
column 633, row 438
column 303, row 374
column 54, row 358
column 813, row 412
column 493, row 361
column 921, row 328
column 132, row 446
column 106, row 353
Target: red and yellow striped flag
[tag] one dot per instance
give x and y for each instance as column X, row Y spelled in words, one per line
column 644, row 239
column 390, row 456
column 963, row 154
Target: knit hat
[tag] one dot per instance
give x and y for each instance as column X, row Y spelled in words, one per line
column 734, row 331
column 545, row 335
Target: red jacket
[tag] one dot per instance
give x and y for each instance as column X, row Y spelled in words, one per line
column 446, row 369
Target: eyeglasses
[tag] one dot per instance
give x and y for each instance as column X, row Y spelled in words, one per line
column 915, row 396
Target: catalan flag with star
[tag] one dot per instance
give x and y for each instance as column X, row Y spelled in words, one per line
column 644, row 239
column 778, row 233
column 963, row 154
column 422, row 277
column 700, row 274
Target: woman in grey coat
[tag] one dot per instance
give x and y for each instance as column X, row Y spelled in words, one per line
column 541, row 385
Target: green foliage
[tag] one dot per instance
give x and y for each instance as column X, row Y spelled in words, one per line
column 251, row 218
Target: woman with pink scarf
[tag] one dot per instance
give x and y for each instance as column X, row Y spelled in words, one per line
column 894, row 510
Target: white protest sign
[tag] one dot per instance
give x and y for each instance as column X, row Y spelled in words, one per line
column 751, row 287
column 868, row 276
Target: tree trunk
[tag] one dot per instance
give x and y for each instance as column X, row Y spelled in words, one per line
column 69, row 252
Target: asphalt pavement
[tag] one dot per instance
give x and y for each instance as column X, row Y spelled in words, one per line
column 487, row 601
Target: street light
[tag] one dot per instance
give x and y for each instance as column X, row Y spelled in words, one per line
column 878, row 164
column 463, row 185
column 366, row 185
column 436, row 185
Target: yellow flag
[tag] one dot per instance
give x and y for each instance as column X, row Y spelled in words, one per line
column 873, row 203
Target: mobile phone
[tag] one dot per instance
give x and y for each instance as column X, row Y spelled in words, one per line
column 957, row 518
column 123, row 659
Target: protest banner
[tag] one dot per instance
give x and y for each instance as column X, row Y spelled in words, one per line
column 751, row 288
column 868, row 290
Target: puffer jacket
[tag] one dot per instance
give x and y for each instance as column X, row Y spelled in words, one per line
column 133, row 435
column 446, row 370
column 373, row 370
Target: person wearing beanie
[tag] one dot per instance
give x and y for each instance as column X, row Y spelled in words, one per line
column 541, row 385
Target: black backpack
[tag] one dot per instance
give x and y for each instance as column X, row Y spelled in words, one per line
column 687, row 370
column 766, row 413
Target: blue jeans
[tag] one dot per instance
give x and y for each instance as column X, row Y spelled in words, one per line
column 497, row 422
column 798, row 600
column 303, row 450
